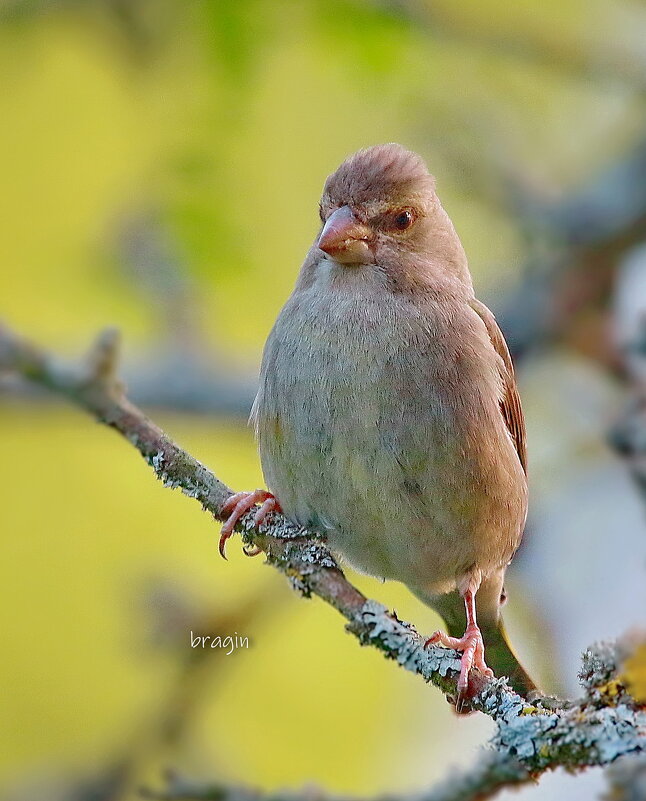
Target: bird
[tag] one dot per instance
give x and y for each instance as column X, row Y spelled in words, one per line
column 388, row 416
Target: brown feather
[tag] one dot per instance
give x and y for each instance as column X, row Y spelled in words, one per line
column 510, row 403
column 378, row 172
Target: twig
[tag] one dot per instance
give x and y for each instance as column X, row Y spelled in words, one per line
column 628, row 435
column 531, row 737
column 492, row 773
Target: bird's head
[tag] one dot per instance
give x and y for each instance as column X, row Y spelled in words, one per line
column 380, row 202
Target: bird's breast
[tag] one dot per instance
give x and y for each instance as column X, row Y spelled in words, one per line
column 364, row 432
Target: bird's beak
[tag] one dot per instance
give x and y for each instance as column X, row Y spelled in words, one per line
column 345, row 239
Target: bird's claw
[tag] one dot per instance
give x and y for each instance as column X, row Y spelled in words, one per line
column 472, row 647
column 236, row 506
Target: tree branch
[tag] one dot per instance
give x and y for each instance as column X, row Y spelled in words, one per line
column 493, row 772
column 531, row 736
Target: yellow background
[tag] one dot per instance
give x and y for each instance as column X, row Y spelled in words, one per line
column 222, row 123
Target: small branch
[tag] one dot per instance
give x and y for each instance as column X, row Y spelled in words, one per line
column 492, row 773
column 531, row 737
column 628, row 435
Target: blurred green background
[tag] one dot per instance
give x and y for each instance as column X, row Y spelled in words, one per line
column 161, row 165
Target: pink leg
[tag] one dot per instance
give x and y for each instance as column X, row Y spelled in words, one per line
column 237, row 505
column 470, row 644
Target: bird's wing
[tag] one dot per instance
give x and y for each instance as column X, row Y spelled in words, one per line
column 510, row 402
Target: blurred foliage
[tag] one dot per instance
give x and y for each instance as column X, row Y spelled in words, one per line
column 215, row 124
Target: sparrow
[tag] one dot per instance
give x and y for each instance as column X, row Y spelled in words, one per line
column 388, row 417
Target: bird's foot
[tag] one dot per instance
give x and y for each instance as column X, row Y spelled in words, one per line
column 237, row 505
column 472, row 647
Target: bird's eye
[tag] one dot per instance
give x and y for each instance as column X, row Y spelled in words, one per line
column 403, row 219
